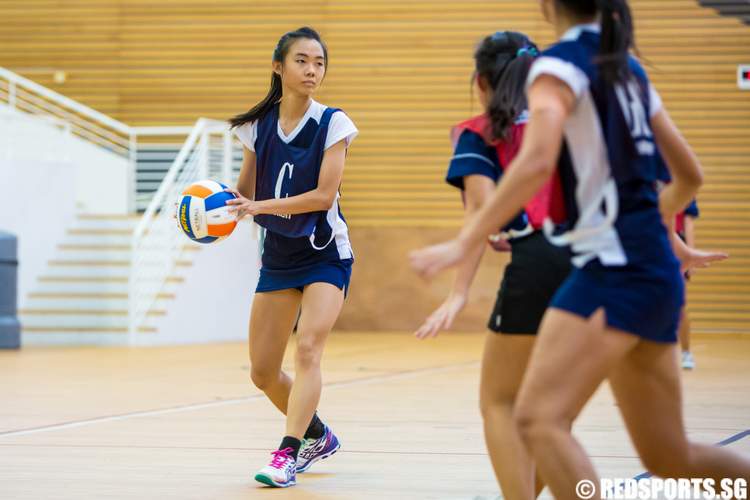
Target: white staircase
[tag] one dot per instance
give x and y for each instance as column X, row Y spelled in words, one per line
column 110, row 279
column 82, row 297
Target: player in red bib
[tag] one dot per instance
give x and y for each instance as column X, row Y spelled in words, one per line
column 484, row 147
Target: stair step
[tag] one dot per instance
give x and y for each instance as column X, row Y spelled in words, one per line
column 57, row 321
column 92, row 288
column 73, row 329
column 71, row 248
column 85, row 216
column 99, row 232
column 94, row 223
column 98, row 279
column 92, row 247
column 89, row 263
column 96, row 239
column 81, row 311
column 104, row 263
column 102, row 254
column 100, row 273
column 73, row 322
column 84, row 302
column 51, row 337
column 84, row 272
column 65, row 295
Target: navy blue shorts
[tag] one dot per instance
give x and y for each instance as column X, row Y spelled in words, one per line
column 642, row 299
column 337, row 273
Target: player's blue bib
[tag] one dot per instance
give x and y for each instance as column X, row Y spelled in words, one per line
column 284, row 170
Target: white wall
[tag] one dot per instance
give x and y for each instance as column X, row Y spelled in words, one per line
column 102, row 179
column 213, row 303
column 46, row 176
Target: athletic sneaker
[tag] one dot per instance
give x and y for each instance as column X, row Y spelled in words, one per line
column 313, row 450
column 688, row 363
column 281, row 472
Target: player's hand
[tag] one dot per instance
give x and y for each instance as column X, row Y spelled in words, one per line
column 442, row 318
column 499, row 243
column 429, row 261
column 241, row 206
column 698, row 259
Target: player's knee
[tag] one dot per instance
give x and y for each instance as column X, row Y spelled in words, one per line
column 492, row 402
column 533, row 425
column 527, row 423
column 308, row 355
column 263, row 377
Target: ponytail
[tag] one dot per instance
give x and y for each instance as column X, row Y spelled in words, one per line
column 275, row 92
column 509, row 94
column 503, row 60
column 617, row 36
column 616, row 40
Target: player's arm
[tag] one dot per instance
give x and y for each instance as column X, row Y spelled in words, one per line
column 246, row 180
column 684, row 167
column 319, row 199
column 693, row 258
column 477, row 190
column 687, row 177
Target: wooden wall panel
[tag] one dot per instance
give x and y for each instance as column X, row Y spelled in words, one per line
column 401, row 69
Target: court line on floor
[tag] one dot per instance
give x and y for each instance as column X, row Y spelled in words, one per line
column 725, row 442
column 645, row 475
column 226, row 402
column 265, row 450
column 648, row 475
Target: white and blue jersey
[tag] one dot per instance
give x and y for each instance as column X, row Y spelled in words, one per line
column 609, row 168
column 302, row 248
column 608, row 164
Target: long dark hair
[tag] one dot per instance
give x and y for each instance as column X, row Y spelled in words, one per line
column 617, row 36
column 503, row 61
column 274, row 93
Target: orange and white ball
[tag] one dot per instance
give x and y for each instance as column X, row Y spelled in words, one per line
column 203, row 214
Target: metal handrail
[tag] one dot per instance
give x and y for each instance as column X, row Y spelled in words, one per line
column 17, row 80
column 156, row 243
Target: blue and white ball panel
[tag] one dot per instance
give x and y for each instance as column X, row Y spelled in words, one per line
column 192, row 216
column 203, row 213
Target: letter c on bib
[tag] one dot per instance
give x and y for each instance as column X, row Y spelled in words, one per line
column 280, row 180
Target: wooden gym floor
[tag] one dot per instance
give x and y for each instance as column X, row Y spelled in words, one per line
column 185, row 423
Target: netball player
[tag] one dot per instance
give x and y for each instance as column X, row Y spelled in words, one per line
column 484, row 147
column 294, row 154
column 685, row 228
